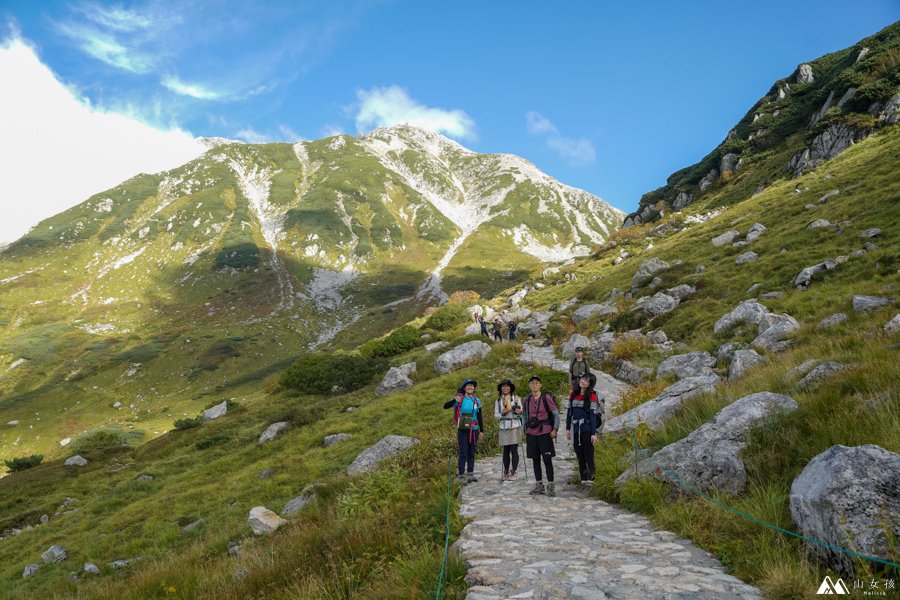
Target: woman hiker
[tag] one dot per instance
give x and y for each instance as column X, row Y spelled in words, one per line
column 512, row 330
column 582, row 419
column 484, row 330
column 541, row 425
column 469, row 422
column 498, row 337
column 508, row 413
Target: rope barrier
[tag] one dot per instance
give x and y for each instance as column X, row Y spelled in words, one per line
column 676, row 480
column 446, row 531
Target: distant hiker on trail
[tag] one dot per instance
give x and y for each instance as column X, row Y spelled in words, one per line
column 484, row 330
column 512, row 330
column 475, row 316
column 577, row 367
column 582, row 418
column 541, row 425
column 508, row 413
column 498, row 337
column 469, row 422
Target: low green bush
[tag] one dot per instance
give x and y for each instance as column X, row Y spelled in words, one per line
column 188, row 423
column 321, row 373
column 105, row 438
column 399, row 341
column 447, row 317
column 210, row 441
column 23, row 462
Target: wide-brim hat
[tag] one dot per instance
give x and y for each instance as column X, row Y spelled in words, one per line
column 467, row 382
column 512, row 386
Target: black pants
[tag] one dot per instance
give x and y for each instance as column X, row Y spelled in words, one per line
column 548, row 462
column 510, row 452
column 498, row 337
column 584, row 450
column 467, row 441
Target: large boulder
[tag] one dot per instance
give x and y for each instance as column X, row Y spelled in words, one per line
column 742, row 361
column 658, row 304
column 825, row 370
column 263, row 521
column 216, row 411
column 772, row 329
column 462, row 355
column 726, row 351
column 647, row 271
column 681, row 291
column 725, row 238
column 76, row 461
column 832, row 321
column 534, row 325
column 747, row 312
column 542, row 356
column 517, row 315
column 691, row 364
column 397, row 378
column 849, row 497
column 804, row 277
column 630, row 372
column 576, row 341
column 272, row 431
column 804, row 74
column 54, row 554
column 386, row 447
column 583, row 313
column 710, row 457
column 655, row 412
column 869, row 303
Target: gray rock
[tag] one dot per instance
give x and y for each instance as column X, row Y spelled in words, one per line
column 144, row 477
column 543, row 356
column 692, row 364
column 699, row 268
column 76, row 461
column 387, row 447
column 44, row 519
column 755, row 231
column 91, row 568
column 272, row 431
column 870, row 233
column 397, row 378
column 729, row 163
column 462, row 355
column 517, row 297
column 870, row 247
column 828, row 196
column 12, row 423
column 823, row 371
column 438, row 345
column 54, row 554
column 819, row 223
column 216, row 411
column 869, row 303
column 746, row 257
column 826, row 145
column 709, row 458
column 742, row 361
column 647, row 271
column 753, row 288
column 892, row 326
column 297, row 504
column 748, row 312
column 550, row 271
column 804, row 277
column 739, row 244
column 725, row 238
column 122, row 563
column 658, row 337
column 804, row 74
column 773, row 328
column 266, row 473
column 263, row 521
column 583, row 313
column 856, row 253
column 682, row 199
column 681, row 291
column 630, row 372
column 771, row 295
column 803, row 368
column 848, row 497
column 601, row 343
column 835, row 319
column 575, row 341
column 658, row 304
column 192, row 526
column 655, row 412
column 708, row 179
column 727, row 350
column 657, row 281
column 30, row 570
column 331, row 440
column 535, row 325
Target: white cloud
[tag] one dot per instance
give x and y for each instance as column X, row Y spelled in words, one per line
column 575, row 151
column 194, row 90
column 392, row 105
column 58, row 150
column 106, row 48
column 283, row 133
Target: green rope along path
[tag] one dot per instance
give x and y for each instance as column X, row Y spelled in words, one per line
column 446, row 530
column 676, row 480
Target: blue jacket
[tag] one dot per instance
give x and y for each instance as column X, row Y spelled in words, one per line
column 584, row 418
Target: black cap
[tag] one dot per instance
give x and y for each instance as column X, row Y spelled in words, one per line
column 579, row 349
column 533, row 377
column 512, row 386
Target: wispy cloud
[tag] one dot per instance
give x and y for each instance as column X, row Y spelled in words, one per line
column 282, row 133
column 106, row 48
column 392, row 105
column 194, row 90
column 575, row 151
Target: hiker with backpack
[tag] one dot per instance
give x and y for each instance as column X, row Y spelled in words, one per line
column 541, row 424
column 498, row 337
column 468, row 420
column 484, row 330
column 583, row 419
column 508, row 413
column 578, row 367
column 512, row 330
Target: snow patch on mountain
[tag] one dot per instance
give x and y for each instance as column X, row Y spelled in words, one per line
column 528, row 243
column 325, row 288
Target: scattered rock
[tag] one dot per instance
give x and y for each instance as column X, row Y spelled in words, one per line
column 44, row 519
column 266, row 473
column 682, row 200
column 630, row 372
column 824, row 371
column 848, row 497
column 54, row 554
column 804, row 278
column 517, row 297
column 658, row 304
column 91, row 568
column 647, row 271
column 263, row 521
column 803, row 368
column 438, row 345
column 835, row 319
column 216, row 411
column 350, row 409
column 462, row 355
column 681, row 291
column 869, row 303
column 747, row 312
column 122, row 563
column 743, row 361
column 746, row 257
column 870, row 233
column 12, row 423
column 692, row 364
column 397, row 378
column 754, row 287
column 826, row 145
column 76, row 461
column 772, row 329
column 755, row 231
column 819, row 223
column 710, row 457
column 30, row 570
column 870, row 247
column 892, row 326
column 740, row 244
column 729, row 163
column 826, row 197
column 699, row 268
column 272, row 431
column 535, row 325
column 65, row 442
column 144, row 477
column 192, row 526
column 387, row 447
column 583, row 313
column 331, row 440
column 727, row 350
column 655, row 412
column 708, row 179
column 297, row 504
column 575, row 341
column 725, row 238
column 234, row 548
column 549, row 271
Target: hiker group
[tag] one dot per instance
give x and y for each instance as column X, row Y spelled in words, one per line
column 496, row 331
column 534, row 418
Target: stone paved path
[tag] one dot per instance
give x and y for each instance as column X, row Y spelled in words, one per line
column 518, row 546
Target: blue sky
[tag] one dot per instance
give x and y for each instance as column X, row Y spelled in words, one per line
column 609, row 97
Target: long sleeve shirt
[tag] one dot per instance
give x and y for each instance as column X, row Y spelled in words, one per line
column 583, row 417
column 547, row 413
column 508, row 420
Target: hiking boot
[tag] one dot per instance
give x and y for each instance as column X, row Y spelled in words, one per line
column 590, row 476
column 538, row 489
column 512, row 476
column 505, row 476
column 470, row 478
column 551, row 489
column 462, row 479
